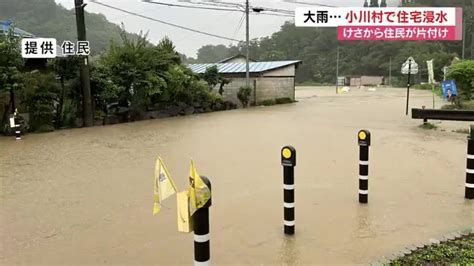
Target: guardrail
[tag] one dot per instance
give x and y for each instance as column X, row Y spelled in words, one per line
column 437, row 114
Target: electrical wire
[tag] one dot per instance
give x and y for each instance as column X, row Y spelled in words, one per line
column 188, row 6
column 307, row 3
column 164, row 22
column 283, row 12
column 241, row 22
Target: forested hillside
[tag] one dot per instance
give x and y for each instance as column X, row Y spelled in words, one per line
column 45, row 18
column 317, row 47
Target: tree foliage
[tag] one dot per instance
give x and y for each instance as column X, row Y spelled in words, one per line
column 41, row 92
column 244, row 95
column 374, row 3
column 11, row 79
column 47, row 19
column 10, row 62
column 317, row 48
column 133, row 67
column 463, row 73
column 139, row 75
column 213, row 77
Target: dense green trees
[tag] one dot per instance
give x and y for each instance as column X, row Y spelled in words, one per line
column 11, row 79
column 317, row 48
column 463, row 72
column 128, row 80
column 212, row 77
column 44, row 18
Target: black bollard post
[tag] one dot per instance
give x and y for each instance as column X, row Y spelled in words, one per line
column 470, row 165
column 202, row 246
column 364, row 143
column 288, row 160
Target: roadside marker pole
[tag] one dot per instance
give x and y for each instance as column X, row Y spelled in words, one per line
column 15, row 125
column 364, row 143
column 288, row 160
column 470, row 165
column 202, row 253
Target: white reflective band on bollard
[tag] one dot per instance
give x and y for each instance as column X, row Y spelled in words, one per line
column 201, row 263
column 364, row 162
column 289, row 223
column 469, row 185
column 470, row 171
column 289, row 187
column 470, row 156
column 363, row 192
column 288, row 205
column 201, row 238
column 363, row 177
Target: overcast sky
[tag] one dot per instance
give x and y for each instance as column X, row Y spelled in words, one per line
column 224, row 23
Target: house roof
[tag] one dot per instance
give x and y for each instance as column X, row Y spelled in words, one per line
column 5, row 26
column 225, row 60
column 237, row 68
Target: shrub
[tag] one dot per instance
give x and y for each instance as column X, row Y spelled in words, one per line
column 44, row 128
column 399, row 82
column 283, row 100
column 466, row 105
column 244, row 95
column 424, row 86
column 428, row 126
column 69, row 115
column 449, row 107
column 268, row 102
column 41, row 91
column 463, row 73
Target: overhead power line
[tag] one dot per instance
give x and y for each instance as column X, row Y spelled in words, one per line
column 189, row 6
column 279, row 12
column 222, row 3
column 164, row 22
column 307, row 3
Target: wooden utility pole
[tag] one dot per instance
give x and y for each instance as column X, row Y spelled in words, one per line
column 84, row 65
column 247, row 44
column 463, row 38
column 337, row 69
column 390, row 72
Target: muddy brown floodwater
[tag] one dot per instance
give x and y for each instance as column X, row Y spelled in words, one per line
column 84, row 196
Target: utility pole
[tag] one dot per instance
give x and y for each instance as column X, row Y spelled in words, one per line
column 247, row 44
column 390, row 72
column 84, row 64
column 463, row 38
column 408, row 85
column 472, row 34
column 337, row 68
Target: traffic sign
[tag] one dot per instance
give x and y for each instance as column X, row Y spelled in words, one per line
column 410, row 66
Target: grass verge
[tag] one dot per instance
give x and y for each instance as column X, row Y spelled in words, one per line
column 459, row 252
column 428, row 126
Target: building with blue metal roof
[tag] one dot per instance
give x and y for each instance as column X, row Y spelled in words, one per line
column 269, row 79
column 6, row 25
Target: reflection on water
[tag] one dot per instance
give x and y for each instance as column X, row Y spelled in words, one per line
column 365, row 227
column 289, row 252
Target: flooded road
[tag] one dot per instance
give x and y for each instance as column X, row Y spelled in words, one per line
column 84, row 196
